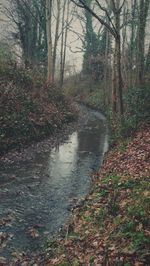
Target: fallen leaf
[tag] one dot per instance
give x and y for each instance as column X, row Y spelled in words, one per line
column 33, row 233
column 3, row 261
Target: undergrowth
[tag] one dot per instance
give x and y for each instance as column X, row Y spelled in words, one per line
column 96, row 95
column 30, row 109
column 136, row 111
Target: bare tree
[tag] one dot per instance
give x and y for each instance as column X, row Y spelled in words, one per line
column 57, row 32
column 49, row 40
column 56, row 38
column 142, row 19
column 114, row 28
column 28, row 29
column 64, row 41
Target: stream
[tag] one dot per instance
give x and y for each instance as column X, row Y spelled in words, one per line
column 36, row 196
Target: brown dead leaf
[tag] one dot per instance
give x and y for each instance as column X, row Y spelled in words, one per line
column 95, row 244
column 147, row 233
column 138, row 263
column 2, row 261
column 128, row 251
column 146, row 193
column 34, row 233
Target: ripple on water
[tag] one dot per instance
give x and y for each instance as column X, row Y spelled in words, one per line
column 38, row 193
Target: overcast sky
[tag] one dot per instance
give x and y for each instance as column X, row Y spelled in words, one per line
column 72, row 58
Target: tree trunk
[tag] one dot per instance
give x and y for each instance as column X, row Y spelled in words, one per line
column 114, row 85
column 147, row 64
column 119, row 77
column 132, row 44
column 65, row 44
column 143, row 13
column 117, row 84
column 56, row 39
column 141, row 35
column 62, row 45
column 49, row 41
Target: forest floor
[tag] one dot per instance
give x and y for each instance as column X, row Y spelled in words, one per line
column 113, row 226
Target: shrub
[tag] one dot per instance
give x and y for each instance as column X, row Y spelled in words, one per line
column 137, row 109
column 29, row 108
column 137, row 103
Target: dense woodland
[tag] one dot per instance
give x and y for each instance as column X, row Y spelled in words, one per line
column 39, row 84
column 112, row 36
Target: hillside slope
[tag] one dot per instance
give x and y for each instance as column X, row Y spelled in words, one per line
column 29, row 108
column 113, row 226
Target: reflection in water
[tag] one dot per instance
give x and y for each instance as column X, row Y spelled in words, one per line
column 42, row 190
column 63, row 158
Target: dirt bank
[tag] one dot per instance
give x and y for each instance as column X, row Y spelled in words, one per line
column 112, row 228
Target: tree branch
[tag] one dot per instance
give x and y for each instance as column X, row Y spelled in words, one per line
column 107, row 14
column 84, row 5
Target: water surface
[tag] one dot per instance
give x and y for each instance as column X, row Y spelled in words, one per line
column 39, row 193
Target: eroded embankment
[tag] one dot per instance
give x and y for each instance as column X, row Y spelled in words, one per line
column 30, row 109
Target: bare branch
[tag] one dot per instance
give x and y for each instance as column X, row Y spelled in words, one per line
column 107, row 14
column 80, row 50
column 121, row 6
column 84, row 5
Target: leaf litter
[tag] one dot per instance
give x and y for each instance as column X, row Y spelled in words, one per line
column 113, row 225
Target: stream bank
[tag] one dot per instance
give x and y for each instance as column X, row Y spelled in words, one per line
column 30, row 108
column 112, row 227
